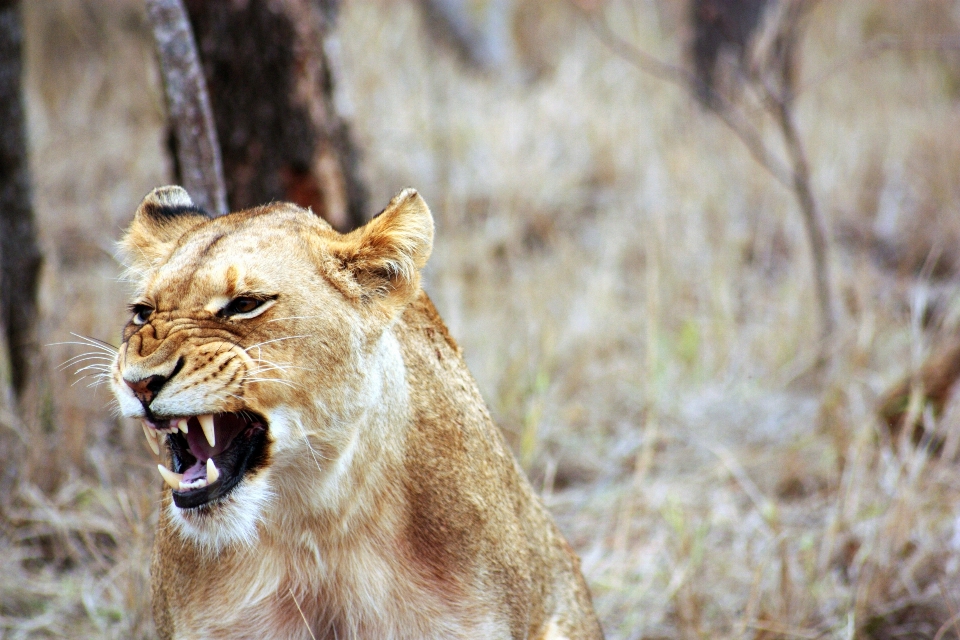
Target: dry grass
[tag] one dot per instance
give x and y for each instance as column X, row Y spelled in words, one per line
column 631, row 292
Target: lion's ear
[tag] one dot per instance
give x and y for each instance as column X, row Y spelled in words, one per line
column 164, row 215
column 384, row 257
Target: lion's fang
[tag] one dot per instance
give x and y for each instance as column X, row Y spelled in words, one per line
column 213, row 474
column 206, row 423
column 152, row 440
column 171, row 478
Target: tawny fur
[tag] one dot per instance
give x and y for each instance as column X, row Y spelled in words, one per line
column 390, row 507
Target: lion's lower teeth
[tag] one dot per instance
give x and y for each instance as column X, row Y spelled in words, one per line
column 196, row 484
column 175, row 480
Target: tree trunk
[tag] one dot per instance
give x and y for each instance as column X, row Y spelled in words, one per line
column 20, row 257
column 197, row 154
column 271, row 88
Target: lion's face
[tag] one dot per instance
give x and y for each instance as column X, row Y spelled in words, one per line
column 253, row 337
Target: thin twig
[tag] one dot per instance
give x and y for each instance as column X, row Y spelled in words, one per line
column 778, row 103
column 309, row 630
column 725, row 110
column 783, row 630
column 946, row 626
column 876, row 47
column 780, row 106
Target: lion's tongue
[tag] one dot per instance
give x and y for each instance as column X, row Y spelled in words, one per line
column 197, row 471
column 201, row 450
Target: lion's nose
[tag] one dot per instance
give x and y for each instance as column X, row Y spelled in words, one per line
column 147, row 389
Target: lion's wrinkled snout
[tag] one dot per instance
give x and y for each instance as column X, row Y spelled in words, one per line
column 147, row 387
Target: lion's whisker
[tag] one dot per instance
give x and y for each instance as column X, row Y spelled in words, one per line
column 278, row 365
column 260, row 370
column 93, row 367
column 260, row 344
column 288, row 383
column 309, row 446
column 83, row 357
column 109, row 349
column 98, row 379
column 94, row 341
column 291, row 318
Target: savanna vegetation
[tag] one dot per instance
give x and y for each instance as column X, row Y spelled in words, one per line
column 632, row 290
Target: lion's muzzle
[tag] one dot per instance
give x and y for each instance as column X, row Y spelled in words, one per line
column 209, row 454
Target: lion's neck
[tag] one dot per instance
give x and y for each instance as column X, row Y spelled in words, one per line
column 336, row 479
column 338, row 518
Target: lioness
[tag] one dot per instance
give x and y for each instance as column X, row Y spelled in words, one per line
column 331, row 469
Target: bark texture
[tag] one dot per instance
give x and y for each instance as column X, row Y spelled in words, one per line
column 271, row 87
column 20, row 257
column 197, row 154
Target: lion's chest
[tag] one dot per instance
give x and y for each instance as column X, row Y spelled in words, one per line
column 367, row 591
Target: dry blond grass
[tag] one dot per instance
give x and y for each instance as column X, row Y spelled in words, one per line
column 631, row 292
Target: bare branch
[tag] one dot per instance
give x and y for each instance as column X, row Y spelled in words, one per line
column 876, row 47
column 728, row 113
column 781, row 64
column 776, row 80
column 188, row 105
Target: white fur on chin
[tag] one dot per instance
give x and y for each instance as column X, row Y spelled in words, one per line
column 230, row 521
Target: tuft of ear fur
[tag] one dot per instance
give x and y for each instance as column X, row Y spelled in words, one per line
column 164, row 215
column 383, row 258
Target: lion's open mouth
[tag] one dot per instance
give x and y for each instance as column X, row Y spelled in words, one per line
column 209, row 454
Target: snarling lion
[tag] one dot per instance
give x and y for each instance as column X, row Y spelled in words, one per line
column 330, row 468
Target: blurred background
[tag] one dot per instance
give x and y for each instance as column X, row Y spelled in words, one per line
column 702, row 261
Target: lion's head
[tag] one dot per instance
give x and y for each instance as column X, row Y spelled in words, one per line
column 254, row 339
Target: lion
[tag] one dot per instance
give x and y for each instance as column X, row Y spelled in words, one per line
column 330, row 469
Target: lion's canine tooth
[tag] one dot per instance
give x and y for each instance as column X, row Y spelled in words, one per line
column 206, row 423
column 171, row 478
column 151, row 438
column 182, row 425
column 213, row 474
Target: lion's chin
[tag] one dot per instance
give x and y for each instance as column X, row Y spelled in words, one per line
column 230, row 521
column 217, row 477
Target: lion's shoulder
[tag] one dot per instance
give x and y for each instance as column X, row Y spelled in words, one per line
column 421, row 315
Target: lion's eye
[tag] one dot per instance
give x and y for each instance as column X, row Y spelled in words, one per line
column 243, row 305
column 141, row 313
